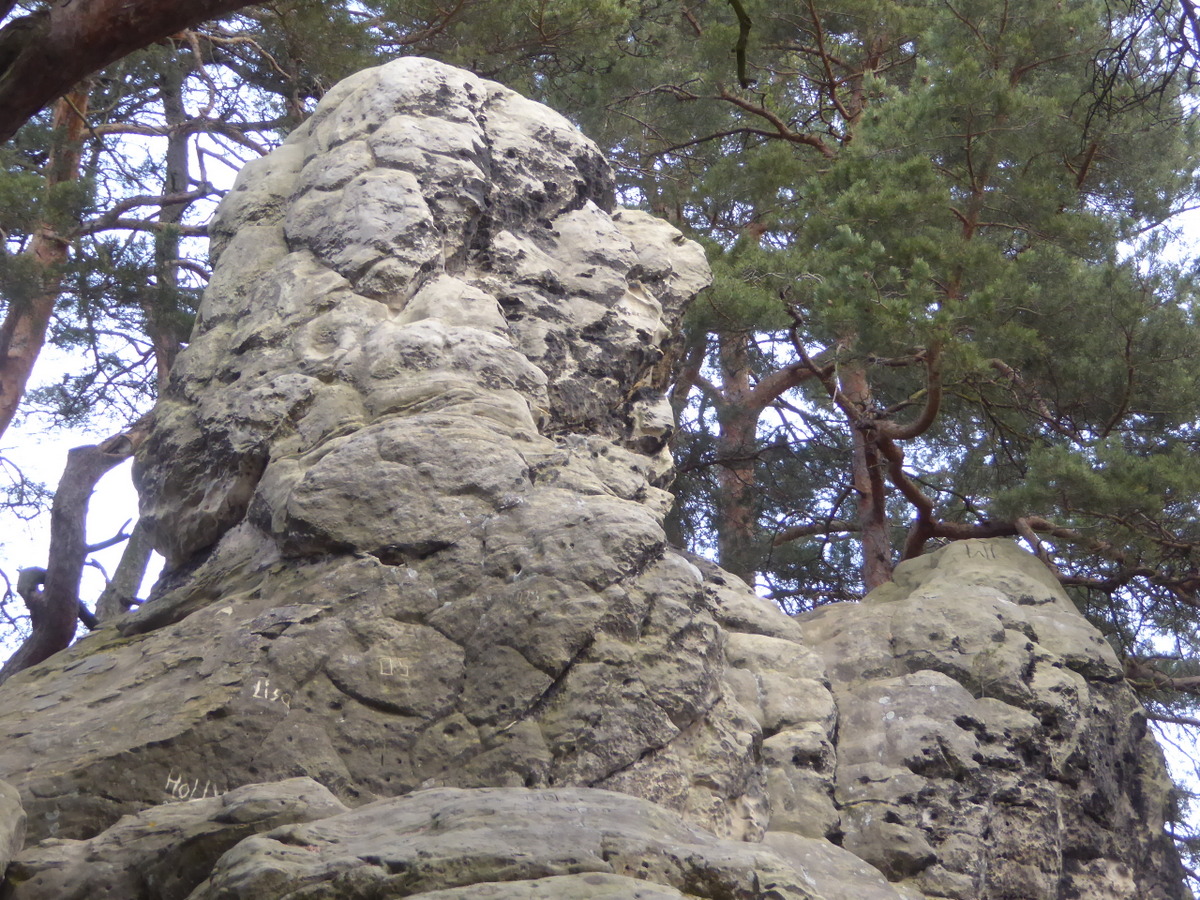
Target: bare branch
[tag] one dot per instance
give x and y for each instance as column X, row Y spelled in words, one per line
column 56, row 608
column 1186, row 721
column 782, row 130
column 112, row 216
column 829, row 526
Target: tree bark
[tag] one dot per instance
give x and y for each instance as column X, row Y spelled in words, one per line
column 44, row 54
column 23, row 332
column 54, row 613
column 867, row 472
column 121, row 592
column 737, row 518
column 739, row 403
column 160, row 303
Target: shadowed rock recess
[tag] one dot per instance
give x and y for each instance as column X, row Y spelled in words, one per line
column 421, row 634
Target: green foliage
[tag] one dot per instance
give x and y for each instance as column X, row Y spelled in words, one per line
column 899, row 177
column 909, row 175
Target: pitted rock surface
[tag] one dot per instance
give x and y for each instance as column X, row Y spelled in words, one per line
column 166, row 851
column 410, row 478
column 988, row 746
column 12, row 824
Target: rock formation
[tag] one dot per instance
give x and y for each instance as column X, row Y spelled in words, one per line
column 421, row 633
column 988, row 745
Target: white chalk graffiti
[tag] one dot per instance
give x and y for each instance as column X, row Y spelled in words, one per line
column 391, row 666
column 264, row 691
column 178, row 788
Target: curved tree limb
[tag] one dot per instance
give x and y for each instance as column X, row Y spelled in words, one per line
column 1189, row 721
column 771, row 386
column 743, row 41
column 1143, row 671
column 1026, row 531
column 782, row 130
column 113, row 216
column 44, row 54
column 825, row 527
column 933, row 401
column 55, row 609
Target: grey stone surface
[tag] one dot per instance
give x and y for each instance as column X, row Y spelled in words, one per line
column 12, row 824
column 988, row 746
column 519, row 843
column 410, row 477
column 163, row 852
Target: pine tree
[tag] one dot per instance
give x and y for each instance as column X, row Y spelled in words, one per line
column 945, row 304
column 953, row 259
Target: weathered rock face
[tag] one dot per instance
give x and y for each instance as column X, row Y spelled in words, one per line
column 12, row 824
column 410, row 480
column 167, row 850
column 988, row 745
column 516, row 843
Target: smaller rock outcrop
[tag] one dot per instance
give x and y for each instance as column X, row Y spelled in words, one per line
column 988, row 745
column 165, row 851
column 516, row 844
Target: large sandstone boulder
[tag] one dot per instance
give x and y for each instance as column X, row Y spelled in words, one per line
column 410, row 478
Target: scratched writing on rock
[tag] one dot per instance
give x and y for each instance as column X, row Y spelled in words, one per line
column 264, row 691
column 393, row 667
column 982, row 551
column 179, row 787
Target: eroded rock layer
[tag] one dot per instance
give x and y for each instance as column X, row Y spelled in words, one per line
column 410, row 479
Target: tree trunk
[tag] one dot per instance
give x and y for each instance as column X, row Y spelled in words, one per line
column 23, row 332
column 43, row 54
column 54, row 613
column 161, row 303
column 867, row 471
column 737, row 506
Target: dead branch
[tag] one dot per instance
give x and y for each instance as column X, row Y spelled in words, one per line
column 54, row 610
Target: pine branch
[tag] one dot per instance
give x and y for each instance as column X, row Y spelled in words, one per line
column 111, row 218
